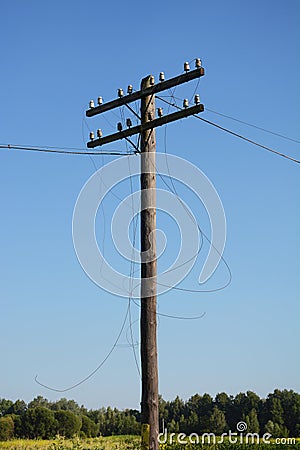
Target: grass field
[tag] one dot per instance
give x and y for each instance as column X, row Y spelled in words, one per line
column 101, row 443
column 130, row 443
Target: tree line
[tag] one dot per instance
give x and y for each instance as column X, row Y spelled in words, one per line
column 278, row 414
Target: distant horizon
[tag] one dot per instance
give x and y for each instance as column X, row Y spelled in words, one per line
column 165, row 399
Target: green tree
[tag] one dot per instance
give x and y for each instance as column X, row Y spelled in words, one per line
column 66, row 405
column 176, row 409
column 39, row 401
column 223, row 402
column 18, row 407
column 5, row 406
column 39, row 423
column 290, row 402
column 252, row 422
column 269, row 427
column 173, row 427
column 88, row 427
column 205, row 411
column 276, row 411
column 6, row 428
column 68, row 424
column 242, row 405
column 276, row 430
column 18, row 425
column 162, row 411
column 217, row 421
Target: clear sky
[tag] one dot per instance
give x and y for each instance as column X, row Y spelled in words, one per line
column 56, row 323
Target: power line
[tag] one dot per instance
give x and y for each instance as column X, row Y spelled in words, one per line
column 253, row 126
column 97, row 368
column 231, row 117
column 248, row 140
column 283, row 155
column 62, row 150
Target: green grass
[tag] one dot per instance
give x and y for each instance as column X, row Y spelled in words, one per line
column 101, row 443
column 130, row 443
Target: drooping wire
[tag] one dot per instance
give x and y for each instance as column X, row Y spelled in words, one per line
column 132, row 264
column 172, row 316
column 174, row 191
column 113, row 346
column 96, row 369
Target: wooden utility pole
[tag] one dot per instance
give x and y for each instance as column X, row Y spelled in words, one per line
column 149, row 403
column 146, row 129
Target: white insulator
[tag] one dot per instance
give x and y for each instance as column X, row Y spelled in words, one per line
column 99, row 133
column 120, row 92
column 198, row 63
column 129, row 89
column 92, row 136
column 197, row 99
column 100, row 100
column 92, row 104
column 152, row 80
column 186, row 66
column 185, row 103
column 161, row 76
column 160, row 112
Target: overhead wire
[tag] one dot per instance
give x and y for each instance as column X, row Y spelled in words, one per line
column 46, row 149
column 253, row 126
column 251, row 141
column 128, row 311
column 116, row 341
column 283, row 136
column 96, row 369
column 132, row 262
column 174, row 191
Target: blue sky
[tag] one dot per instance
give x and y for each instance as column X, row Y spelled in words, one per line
column 55, row 322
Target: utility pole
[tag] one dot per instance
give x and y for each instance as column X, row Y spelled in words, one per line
column 146, row 130
column 149, row 403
